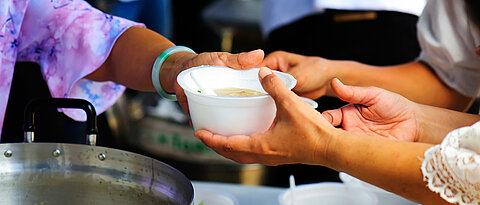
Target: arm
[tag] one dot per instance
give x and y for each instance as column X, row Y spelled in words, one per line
column 384, row 163
column 435, row 123
column 413, row 80
column 376, row 112
column 131, row 59
column 133, row 55
column 302, row 135
column 76, row 45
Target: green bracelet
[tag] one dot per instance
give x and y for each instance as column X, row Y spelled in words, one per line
column 158, row 64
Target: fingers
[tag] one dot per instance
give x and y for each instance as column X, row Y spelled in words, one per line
column 222, row 143
column 237, row 148
column 334, row 117
column 181, row 98
column 354, row 94
column 275, row 87
column 272, row 61
column 280, row 60
column 237, row 61
column 208, row 138
column 244, row 60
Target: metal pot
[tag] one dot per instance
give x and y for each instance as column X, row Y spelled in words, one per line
column 52, row 173
column 141, row 121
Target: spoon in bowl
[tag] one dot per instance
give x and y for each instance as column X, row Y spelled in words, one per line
column 292, row 189
column 203, row 88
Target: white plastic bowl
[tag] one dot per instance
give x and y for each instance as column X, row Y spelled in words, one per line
column 227, row 115
column 310, row 102
column 213, row 197
column 328, row 193
column 384, row 197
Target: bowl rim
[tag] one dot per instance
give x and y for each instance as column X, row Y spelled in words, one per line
column 323, row 185
column 185, row 72
column 216, row 192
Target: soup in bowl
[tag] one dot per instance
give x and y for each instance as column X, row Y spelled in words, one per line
column 240, row 105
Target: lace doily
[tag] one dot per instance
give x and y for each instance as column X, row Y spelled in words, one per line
column 452, row 168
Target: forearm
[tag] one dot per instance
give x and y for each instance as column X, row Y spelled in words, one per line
column 131, row 60
column 434, row 123
column 414, row 80
column 391, row 165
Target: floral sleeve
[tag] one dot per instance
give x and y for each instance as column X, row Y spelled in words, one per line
column 70, row 39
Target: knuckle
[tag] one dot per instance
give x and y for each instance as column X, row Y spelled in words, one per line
column 221, row 56
column 228, row 148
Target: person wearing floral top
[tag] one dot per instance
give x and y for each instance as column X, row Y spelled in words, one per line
column 85, row 53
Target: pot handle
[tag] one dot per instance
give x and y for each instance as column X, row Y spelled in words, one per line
column 29, row 127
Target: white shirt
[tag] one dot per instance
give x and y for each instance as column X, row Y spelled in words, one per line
column 448, row 40
column 276, row 13
column 414, row 7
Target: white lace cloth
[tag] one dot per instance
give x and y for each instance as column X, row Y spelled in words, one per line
column 453, row 167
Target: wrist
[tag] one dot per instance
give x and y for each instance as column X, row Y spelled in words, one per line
column 171, row 67
column 342, row 147
column 331, row 73
column 350, row 73
column 325, row 151
column 418, row 109
column 333, row 69
column 432, row 125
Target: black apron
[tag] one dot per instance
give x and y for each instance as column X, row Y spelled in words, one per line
column 51, row 125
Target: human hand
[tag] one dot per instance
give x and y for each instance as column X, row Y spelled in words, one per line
column 312, row 73
column 185, row 60
column 374, row 111
column 299, row 133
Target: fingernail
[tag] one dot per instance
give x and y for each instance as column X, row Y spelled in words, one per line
column 338, row 80
column 257, row 52
column 328, row 117
column 264, row 71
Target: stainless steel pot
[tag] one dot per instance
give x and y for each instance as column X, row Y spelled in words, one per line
column 51, row 173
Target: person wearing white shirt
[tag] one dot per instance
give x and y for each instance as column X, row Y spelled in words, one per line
column 376, row 32
column 445, row 74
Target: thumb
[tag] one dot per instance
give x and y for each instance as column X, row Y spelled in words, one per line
column 334, row 117
column 274, row 86
column 354, row 94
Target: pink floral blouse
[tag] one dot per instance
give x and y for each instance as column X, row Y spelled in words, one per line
column 69, row 39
